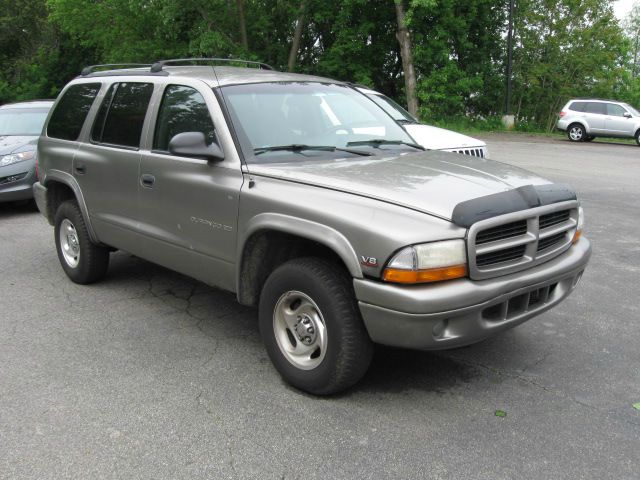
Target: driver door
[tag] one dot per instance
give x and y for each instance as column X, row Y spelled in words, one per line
column 188, row 206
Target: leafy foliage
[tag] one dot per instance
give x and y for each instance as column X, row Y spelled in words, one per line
column 563, row 48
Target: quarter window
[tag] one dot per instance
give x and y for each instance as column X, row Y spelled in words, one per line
column 121, row 116
column 71, row 111
column 593, row 107
column 578, row 106
column 183, row 109
column 615, row 110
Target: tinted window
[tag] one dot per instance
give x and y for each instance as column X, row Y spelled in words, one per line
column 125, row 109
column 615, row 110
column 98, row 123
column 183, row 109
column 577, row 106
column 71, row 111
column 593, row 107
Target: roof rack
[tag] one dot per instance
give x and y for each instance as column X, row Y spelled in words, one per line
column 112, row 66
column 157, row 66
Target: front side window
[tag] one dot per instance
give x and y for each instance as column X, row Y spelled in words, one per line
column 596, row 107
column 71, row 111
column 121, row 116
column 615, row 110
column 183, row 109
column 22, row 121
column 307, row 114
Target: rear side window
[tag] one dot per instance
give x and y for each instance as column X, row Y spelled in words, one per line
column 593, row 107
column 578, row 106
column 121, row 116
column 615, row 110
column 71, row 111
column 183, row 109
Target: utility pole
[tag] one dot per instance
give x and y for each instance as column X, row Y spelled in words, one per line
column 508, row 118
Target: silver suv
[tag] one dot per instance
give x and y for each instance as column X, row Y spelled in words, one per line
column 307, row 200
column 584, row 120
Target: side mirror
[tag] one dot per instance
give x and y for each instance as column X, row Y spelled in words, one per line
column 194, row 145
column 627, row 115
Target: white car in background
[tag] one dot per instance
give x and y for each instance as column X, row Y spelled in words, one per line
column 431, row 138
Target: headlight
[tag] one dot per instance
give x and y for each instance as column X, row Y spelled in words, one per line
column 16, row 157
column 429, row 262
column 578, row 234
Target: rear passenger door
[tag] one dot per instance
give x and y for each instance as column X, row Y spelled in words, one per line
column 189, row 206
column 107, row 166
column 595, row 113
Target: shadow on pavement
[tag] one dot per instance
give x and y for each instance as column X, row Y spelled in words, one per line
column 14, row 209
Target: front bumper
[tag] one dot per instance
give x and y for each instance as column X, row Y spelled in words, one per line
column 16, row 181
column 461, row 312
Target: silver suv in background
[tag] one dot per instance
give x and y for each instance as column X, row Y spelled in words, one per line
column 584, row 120
column 308, row 201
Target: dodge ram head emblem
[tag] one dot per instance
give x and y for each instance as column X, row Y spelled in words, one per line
column 369, row 261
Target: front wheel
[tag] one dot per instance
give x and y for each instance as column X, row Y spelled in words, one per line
column 576, row 133
column 311, row 326
column 638, row 137
column 83, row 261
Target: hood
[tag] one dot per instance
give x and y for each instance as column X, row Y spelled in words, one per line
column 435, row 138
column 430, row 182
column 11, row 143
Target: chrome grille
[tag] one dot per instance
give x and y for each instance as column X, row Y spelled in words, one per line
column 510, row 243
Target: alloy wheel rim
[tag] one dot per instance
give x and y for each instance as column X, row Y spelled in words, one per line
column 69, row 243
column 576, row 133
column 300, row 330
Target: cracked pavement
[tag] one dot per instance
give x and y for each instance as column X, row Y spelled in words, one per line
column 150, row 374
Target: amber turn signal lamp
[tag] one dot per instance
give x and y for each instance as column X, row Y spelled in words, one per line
column 424, row 276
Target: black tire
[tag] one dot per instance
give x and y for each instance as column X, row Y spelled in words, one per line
column 92, row 259
column 348, row 347
column 576, row 133
column 638, row 137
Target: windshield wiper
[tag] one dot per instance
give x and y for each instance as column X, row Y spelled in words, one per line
column 299, row 148
column 376, row 142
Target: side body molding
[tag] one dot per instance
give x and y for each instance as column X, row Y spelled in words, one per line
column 67, row 179
column 302, row 228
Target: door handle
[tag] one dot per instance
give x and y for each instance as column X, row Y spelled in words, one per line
column 80, row 169
column 147, row 180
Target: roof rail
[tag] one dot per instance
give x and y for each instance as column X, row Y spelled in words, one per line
column 87, row 70
column 157, row 66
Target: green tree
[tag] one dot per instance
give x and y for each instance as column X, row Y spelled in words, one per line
column 564, row 49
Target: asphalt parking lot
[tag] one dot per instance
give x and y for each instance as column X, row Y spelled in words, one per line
column 149, row 374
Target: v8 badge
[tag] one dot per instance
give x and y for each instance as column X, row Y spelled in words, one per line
column 369, row 261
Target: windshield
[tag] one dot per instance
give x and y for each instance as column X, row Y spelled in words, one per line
column 296, row 114
column 22, row 121
column 398, row 113
column 633, row 111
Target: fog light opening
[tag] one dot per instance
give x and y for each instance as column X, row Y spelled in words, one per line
column 440, row 328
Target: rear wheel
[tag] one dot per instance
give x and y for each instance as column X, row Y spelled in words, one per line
column 576, row 133
column 83, row 261
column 311, row 326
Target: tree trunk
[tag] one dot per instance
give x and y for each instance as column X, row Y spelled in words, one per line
column 297, row 35
column 243, row 25
column 404, row 40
